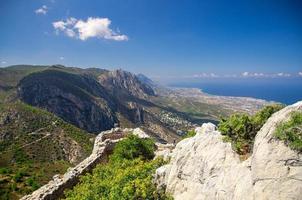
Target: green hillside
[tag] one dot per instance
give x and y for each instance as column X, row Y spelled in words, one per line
column 34, row 146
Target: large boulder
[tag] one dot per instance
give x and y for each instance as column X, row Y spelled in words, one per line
column 204, row 167
column 276, row 169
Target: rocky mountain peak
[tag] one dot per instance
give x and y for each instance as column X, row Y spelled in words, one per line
column 119, row 81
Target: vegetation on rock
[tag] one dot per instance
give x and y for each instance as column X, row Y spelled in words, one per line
column 188, row 134
column 291, row 131
column 127, row 175
column 241, row 129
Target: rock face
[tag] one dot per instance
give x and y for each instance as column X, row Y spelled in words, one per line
column 204, row 167
column 120, row 82
column 76, row 98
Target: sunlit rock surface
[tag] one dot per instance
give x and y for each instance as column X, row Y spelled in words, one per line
column 204, row 167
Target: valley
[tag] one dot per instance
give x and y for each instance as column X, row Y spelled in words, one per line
column 51, row 114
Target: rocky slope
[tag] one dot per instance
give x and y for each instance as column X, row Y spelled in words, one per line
column 78, row 99
column 204, row 167
column 125, row 84
column 35, row 145
column 27, row 128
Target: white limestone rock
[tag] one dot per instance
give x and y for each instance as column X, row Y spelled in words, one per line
column 276, row 169
column 204, row 167
column 140, row 133
column 163, row 150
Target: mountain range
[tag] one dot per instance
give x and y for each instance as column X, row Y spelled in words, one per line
column 51, row 114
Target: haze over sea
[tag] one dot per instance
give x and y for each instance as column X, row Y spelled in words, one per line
column 286, row 90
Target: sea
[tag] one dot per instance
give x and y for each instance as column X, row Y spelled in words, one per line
column 286, row 90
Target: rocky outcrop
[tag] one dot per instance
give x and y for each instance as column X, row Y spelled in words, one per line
column 204, row 167
column 163, row 150
column 103, row 146
column 276, row 169
column 120, row 82
column 76, row 98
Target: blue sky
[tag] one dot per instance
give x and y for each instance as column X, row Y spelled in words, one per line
column 161, row 38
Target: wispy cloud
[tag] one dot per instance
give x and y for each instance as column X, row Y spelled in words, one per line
column 3, row 62
column 242, row 75
column 281, row 74
column 255, row 74
column 42, row 11
column 268, row 75
column 300, row 73
column 91, row 28
column 61, row 58
column 204, row 75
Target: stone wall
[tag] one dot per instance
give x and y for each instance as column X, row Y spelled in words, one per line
column 103, row 146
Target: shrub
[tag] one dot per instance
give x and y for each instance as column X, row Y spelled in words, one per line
column 127, row 175
column 32, row 182
column 241, row 129
column 190, row 133
column 4, row 170
column 262, row 116
column 134, row 147
column 18, row 176
column 291, row 131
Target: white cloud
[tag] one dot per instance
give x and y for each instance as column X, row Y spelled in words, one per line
column 3, row 62
column 281, row 74
column 242, row 75
column 300, row 73
column 249, row 74
column 61, row 58
column 43, row 10
column 245, row 74
column 204, row 75
column 65, row 26
column 267, row 75
column 92, row 27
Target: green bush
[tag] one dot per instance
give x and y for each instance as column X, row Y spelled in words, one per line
column 32, row 182
column 262, row 116
column 127, row 175
column 4, row 170
column 291, row 131
column 241, row 129
column 134, row 147
column 190, row 133
column 18, row 176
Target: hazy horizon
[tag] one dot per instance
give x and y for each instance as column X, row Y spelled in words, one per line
column 158, row 38
column 218, row 46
